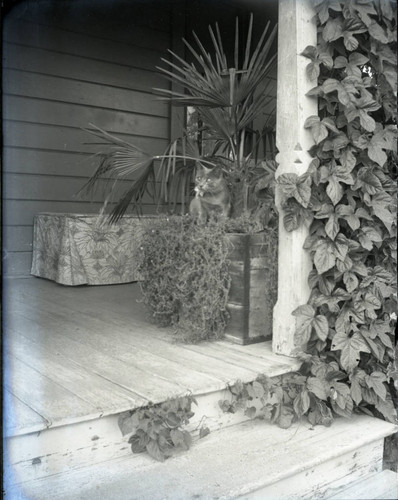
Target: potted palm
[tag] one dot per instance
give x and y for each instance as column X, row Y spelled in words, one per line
column 223, row 101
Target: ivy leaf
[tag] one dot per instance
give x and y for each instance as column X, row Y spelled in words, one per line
column 350, row 42
column 303, row 332
column 127, row 422
column 387, row 409
column 286, row 417
column 301, row 403
column 187, row 440
column 294, row 186
column 334, row 190
column 324, row 257
column 376, row 381
column 364, row 9
column 350, row 347
column 321, row 325
column 313, row 71
column 173, row 420
column 382, row 139
column 369, row 235
column 310, row 52
column 377, row 32
column 380, row 204
column 357, row 378
column 258, row 389
column 332, row 227
column 318, row 387
column 154, row 451
column 347, row 213
column 342, row 395
column 251, row 411
column 367, row 181
column 318, row 129
column 333, row 29
column 322, row 8
column 330, row 85
column 177, row 437
column 138, row 441
column 306, row 311
column 204, row 431
column 366, row 121
column 321, row 414
column 351, row 281
column 295, row 215
column 367, row 303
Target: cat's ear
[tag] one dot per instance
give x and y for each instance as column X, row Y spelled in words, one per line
column 201, row 168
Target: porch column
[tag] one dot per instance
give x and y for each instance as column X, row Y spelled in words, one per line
column 297, row 29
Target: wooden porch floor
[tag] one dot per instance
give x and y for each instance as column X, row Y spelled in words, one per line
column 73, row 354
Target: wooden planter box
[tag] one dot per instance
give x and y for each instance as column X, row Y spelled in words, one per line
column 253, row 288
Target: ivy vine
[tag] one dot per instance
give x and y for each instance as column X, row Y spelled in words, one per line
column 347, row 198
column 159, row 429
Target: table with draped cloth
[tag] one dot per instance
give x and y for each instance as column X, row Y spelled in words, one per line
column 83, row 249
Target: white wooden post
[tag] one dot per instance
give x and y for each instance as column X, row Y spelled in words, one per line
column 297, row 30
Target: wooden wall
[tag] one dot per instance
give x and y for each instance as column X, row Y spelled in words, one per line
column 66, row 64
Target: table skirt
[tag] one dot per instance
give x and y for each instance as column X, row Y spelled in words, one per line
column 81, row 249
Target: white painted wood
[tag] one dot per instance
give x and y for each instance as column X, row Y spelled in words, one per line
column 232, row 463
column 319, row 479
column 84, row 444
column 297, row 29
column 383, row 485
column 96, row 343
column 18, row 417
column 43, row 395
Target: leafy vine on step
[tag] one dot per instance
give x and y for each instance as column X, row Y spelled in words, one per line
column 348, row 200
column 159, row 429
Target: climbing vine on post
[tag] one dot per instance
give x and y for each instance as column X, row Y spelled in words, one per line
column 348, row 199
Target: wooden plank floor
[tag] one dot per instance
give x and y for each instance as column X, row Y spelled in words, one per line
column 77, row 353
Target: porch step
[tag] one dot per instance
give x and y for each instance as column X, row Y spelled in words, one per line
column 380, row 486
column 251, row 460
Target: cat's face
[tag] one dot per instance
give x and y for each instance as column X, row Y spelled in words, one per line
column 207, row 180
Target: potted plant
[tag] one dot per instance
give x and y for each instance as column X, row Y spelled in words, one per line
column 223, row 101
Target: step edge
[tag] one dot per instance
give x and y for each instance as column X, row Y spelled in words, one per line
column 370, row 477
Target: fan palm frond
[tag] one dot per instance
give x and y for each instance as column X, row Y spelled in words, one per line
column 227, row 99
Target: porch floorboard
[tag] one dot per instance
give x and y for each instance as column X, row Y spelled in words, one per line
column 78, row 353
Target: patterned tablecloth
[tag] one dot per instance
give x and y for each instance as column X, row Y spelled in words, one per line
column 80, row 249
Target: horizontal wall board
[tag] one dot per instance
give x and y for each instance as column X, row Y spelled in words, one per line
column 82, row 68
column 21, row 212
column 17, row 238
column 36, row 136
column 41, row 162
column 31, row 161
column 17, row 263
column 23, row 83
column 142, row 24
column 75, row 115
column 42, row 187
column 147, row 50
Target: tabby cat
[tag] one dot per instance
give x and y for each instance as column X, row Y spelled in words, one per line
column 212, row 194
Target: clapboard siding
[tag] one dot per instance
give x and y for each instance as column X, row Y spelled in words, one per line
column 66, row 65
column 26, row 109
column 143, row 54
column 18, row 238
column 62, row 138
column 20, row 212
column 21, row 57
column 56, row 88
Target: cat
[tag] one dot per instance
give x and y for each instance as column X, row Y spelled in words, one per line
column 212, row 196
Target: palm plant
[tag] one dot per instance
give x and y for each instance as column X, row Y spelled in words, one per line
column 227, row 101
